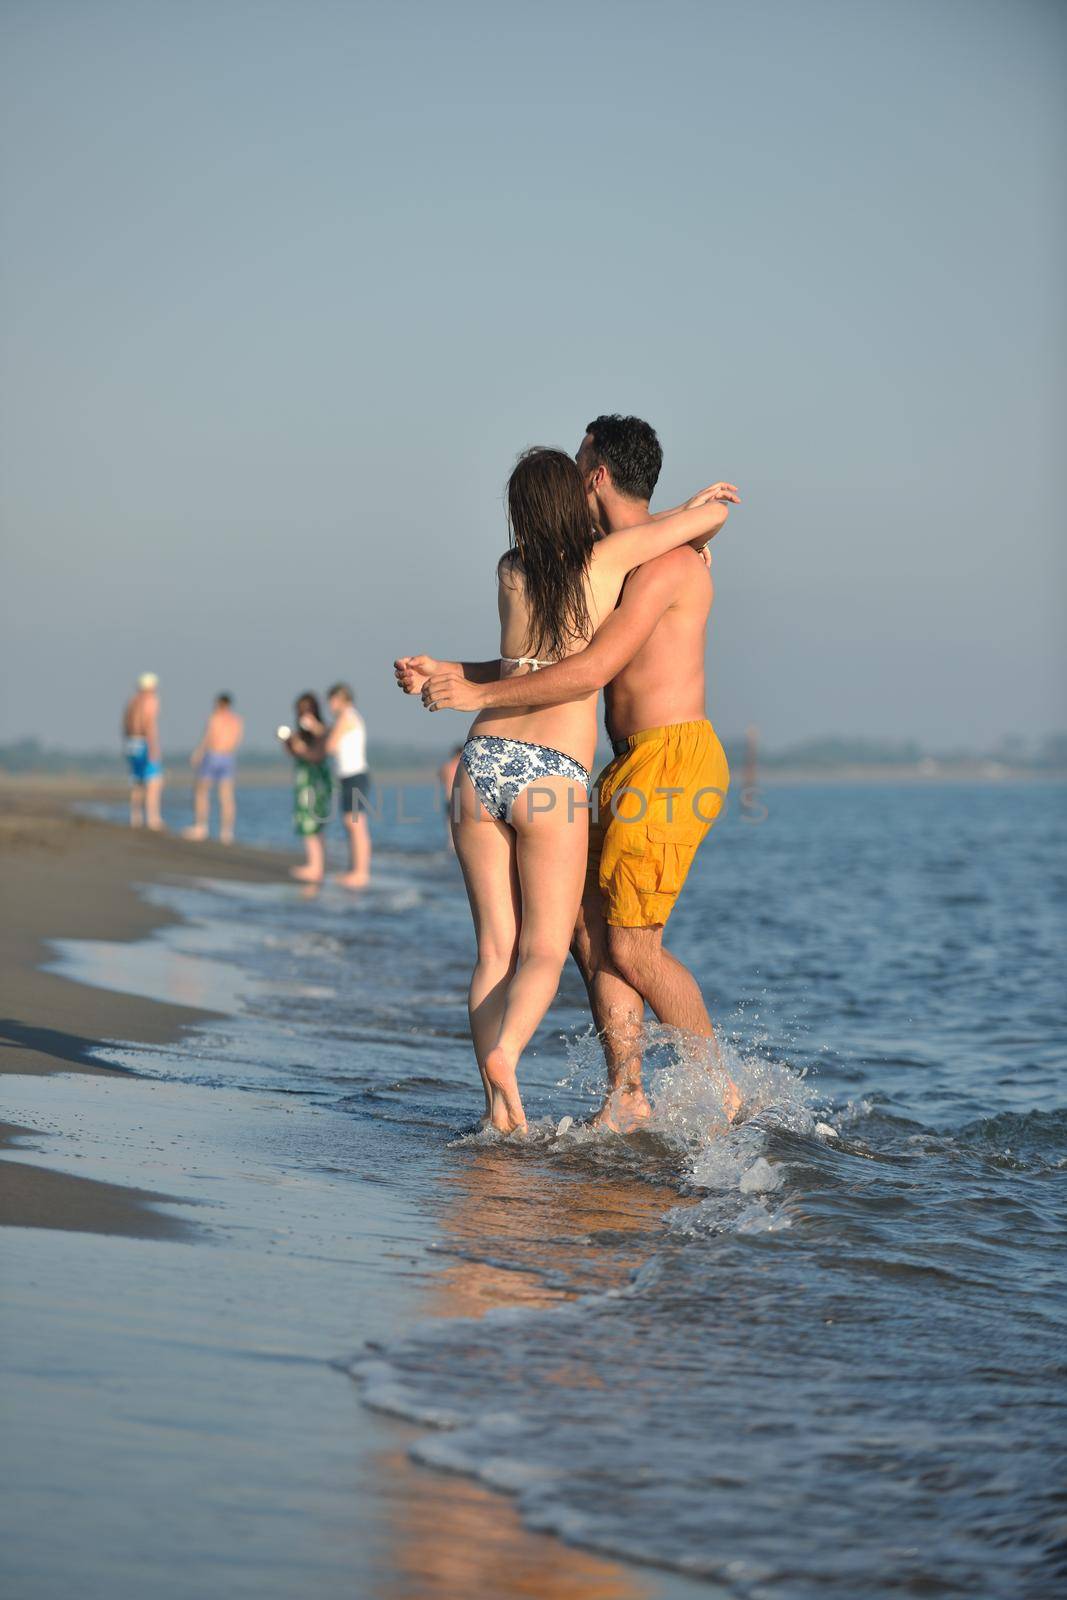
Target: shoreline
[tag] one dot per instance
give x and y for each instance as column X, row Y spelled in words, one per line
column 142, row 1345
column 73, row 787
column 94, row 898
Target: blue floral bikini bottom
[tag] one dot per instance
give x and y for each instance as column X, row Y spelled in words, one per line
column 500, row 769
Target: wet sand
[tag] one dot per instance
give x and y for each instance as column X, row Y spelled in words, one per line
column 180, row 1292
column 64, row 876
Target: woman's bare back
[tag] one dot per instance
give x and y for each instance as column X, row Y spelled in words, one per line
column 570, row 727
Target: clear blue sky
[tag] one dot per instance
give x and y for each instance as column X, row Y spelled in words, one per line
column 286, row 286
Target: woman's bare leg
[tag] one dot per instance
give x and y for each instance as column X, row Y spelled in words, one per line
column 552, row 840
column 314, row 860
column 486, row 851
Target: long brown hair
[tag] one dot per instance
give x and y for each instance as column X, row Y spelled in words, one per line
column 552, row 539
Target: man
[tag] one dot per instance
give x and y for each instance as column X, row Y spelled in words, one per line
column 215, row 761
column 140, row 729
column 668, row 780
column 346, row 744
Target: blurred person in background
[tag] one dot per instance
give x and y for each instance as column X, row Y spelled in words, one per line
column 346, row 744
column 140, row 730
column 312, row 785
column 215, row 762
column 446, row 777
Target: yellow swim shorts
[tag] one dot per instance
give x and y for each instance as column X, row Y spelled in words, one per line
column 655, row 803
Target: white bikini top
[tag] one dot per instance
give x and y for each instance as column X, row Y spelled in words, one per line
column 526, row 661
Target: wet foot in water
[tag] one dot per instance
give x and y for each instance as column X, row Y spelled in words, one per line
column 352, row 880
column 305, row 874
column 731, row 1101
column 623, row 1110
column 507, row 1115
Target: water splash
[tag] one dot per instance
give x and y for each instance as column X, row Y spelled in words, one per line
column 692, row 1084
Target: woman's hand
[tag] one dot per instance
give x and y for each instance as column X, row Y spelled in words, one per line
column 412, row 671
column 718, row 491
column 450, row 691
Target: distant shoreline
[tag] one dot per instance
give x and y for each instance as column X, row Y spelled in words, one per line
column 74, row 785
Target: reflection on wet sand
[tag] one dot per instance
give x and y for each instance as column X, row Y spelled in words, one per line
column 503, row 1211
column 527, row 1231
column 454, row 1540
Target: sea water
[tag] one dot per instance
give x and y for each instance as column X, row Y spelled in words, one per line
column 821, row 1353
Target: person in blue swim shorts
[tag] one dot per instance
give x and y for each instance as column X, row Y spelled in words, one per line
column 215, row 763
column 140, row 731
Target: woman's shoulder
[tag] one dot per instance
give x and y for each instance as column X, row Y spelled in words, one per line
column 509, row 569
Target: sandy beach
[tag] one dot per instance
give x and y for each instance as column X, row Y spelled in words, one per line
column 65, row 876
column 186, row 1280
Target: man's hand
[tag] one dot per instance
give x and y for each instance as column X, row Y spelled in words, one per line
column 412, row 671
column 726, row 492
column 450, row 691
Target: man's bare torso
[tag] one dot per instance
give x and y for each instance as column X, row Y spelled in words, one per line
column 139, row 715
column 223, row 732
column 664, row 682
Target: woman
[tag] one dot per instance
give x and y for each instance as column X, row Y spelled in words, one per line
column 524, row 862
column 306, row 743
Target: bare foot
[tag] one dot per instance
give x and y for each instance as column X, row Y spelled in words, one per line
column 623, row 1110
column 352, row 880
column 194, row 833
column 507, row 1115
column 731, row 1100
column 305, row 874
column 225, row 838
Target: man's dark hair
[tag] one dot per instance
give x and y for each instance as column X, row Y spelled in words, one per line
column 631, row 452
column 224, row 699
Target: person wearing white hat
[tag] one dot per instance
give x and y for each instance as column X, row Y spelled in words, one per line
column 140, row 731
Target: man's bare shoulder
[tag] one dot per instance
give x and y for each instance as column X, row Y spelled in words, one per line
column 682, row 559
column 674, row 568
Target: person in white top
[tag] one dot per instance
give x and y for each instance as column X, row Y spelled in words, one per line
column 346, row 744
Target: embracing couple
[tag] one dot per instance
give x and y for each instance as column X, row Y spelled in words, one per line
column 595, row 592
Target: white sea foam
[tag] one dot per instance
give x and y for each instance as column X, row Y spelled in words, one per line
column 689, row 1087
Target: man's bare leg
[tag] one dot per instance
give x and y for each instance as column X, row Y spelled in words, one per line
column 670, row 989
column 137, row 805
column 201, row 809
column 358, row 831
column 154, row 803
column 618, row 1015
column 227, row 810
column 362, row 849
